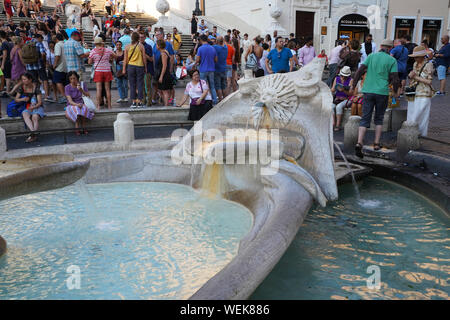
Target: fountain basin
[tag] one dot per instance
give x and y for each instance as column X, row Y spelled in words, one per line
column 128, row 241
column 20, row 176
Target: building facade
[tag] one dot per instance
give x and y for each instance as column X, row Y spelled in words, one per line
column 324, row 20
column 419, row 19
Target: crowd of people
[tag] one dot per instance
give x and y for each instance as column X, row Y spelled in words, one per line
column 146, row 65
column 367, row 80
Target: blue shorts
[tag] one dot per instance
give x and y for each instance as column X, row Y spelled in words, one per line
column 373, row 101
column 60, row 77
column 442, row 72
column 229, row 71
column 220, row 80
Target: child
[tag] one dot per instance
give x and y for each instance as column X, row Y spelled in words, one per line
column 357, row 98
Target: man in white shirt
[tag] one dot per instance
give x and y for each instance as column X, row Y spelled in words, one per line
column 334, row 61
column 367, row 48
column 202, row 27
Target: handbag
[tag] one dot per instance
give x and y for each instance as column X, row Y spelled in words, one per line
column 88, row 102
column 15, row 109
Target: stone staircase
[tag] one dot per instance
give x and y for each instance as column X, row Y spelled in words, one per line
column 187, row 45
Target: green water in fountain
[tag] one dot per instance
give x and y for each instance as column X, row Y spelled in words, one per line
column 137, row 241
column 391, row 227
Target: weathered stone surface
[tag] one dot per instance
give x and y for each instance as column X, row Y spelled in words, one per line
column 351, row 133
column 123, row 129
column 3, row 146
column 407, row 139
column 38, row 173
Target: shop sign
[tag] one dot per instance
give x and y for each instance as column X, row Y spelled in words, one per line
column 432, row 24
column 405, row 23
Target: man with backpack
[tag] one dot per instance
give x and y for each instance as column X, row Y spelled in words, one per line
column 401, row 54
column 34, row 56
column 410, row 46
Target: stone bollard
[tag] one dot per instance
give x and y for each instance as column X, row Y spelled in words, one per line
column 351, row 130
column 123, row 130
column 407, row 139
column 3, row 147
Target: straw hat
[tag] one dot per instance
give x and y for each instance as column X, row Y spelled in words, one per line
column 387, row 43
column 98, row 40
column 419, row 51
column 345, row 72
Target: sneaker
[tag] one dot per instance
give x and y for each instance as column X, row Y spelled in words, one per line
column 439, row 93
column 119, row 101
column 125, row 100
column 62, row 100
column 133, row 106
column 48, row 99
column 140, row 105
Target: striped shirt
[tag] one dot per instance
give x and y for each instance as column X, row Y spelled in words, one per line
column 101, row 57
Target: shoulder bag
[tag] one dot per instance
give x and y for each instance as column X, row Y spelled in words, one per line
column 410, row 91
column 88, row 101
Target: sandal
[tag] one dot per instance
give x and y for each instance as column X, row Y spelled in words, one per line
column 337, row 129
column 358, row 151
column 31, row 138
column 377, row 146
column 78, row 132
column 86, row 132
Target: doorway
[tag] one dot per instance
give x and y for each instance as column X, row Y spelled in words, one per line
column 353, row 27
column 304, row 23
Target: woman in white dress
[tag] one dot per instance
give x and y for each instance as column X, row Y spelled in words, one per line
column 421, row 76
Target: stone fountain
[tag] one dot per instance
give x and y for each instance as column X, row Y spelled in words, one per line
column 268, row 146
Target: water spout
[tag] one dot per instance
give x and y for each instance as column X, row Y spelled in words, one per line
column 355, row 185
column 213, row 182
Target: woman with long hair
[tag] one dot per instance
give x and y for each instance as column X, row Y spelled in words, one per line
column 237, row 58
column 134, row 66
column 30, row 94
column 121, row 80
column 162, row 73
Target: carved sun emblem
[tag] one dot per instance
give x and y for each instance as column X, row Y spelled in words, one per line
column 275, row 98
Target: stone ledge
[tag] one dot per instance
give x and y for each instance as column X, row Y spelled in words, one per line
column 103, row 118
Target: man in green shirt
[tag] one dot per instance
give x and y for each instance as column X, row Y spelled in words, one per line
column 381, row 70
